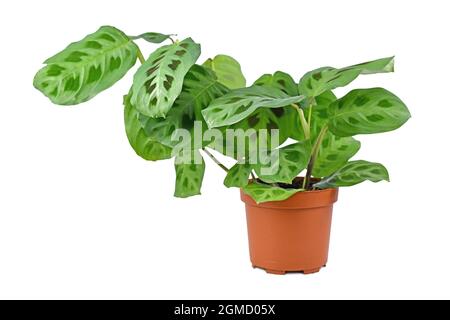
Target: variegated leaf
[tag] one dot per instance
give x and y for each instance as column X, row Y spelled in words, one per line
column 284, row 164
column 189, row 174
column 142, row 144
column 158, row 82
column 353, row 173
column 241, row 103
column 365, row 111
column 153, row 37
column 263, row 192
column 87, row 67
column 238, row 175
column 200, row 87
column 334, row 152
column 279, row 80
column 228, row 71
column 323, row 79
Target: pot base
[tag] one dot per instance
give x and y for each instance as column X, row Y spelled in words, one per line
column 283, row 272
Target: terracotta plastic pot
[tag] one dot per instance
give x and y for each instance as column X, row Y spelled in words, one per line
column 290, row 235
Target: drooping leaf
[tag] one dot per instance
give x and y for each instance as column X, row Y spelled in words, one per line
column 189, row 174
column 334, row 152
column 87, row 67
column 159, row 80
column 228, row 71
column 238, row 175
column 153, row 37
column 353, row 173
column 200, row 87
column 279, row 80
column 241, row 103
column 284, row 164
column 320, row 80
column 263, row 192
column 365, row 111
column 142, row 144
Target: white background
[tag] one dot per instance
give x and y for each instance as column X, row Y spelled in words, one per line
column 81, row 216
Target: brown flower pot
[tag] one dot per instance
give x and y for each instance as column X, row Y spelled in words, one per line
column 290, row 235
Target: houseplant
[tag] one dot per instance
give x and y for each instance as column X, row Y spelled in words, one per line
column 275, row 129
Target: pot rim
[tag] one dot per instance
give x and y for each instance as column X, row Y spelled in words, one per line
column 300, row 200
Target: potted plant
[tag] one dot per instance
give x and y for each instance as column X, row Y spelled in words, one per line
column 275, row 129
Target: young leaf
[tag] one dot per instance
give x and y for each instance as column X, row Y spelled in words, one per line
column 241, row 103
column 365, row 111
column 263, row 192
column 279, row 80
column 319, row 117
column 159, row 81
column 189, row 175
column 353, row 173
column 87, row 67
column 153, row 37
column 237, row 176
column 228, row 71
column 142, row 144
column 291, row 160
column 200, row 87
column 320, row 80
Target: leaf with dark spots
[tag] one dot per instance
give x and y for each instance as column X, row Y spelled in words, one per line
column 354, row 172
column 168, row 65
column 348, row 119
column 87, row 67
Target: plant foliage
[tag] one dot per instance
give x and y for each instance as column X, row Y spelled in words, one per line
column 170, row 92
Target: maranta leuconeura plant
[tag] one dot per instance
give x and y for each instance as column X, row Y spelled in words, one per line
column 171, row 90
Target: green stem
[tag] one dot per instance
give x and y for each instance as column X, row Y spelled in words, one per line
column 309, row 114
column 304, row 123
column 312, row 159
column 140, row 56
column 213, row 158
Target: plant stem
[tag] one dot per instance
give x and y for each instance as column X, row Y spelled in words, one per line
column 309, row 115
column 312, row 159
column 140, row 56
column 304, row 123
column 213, row 158
column 253, row 176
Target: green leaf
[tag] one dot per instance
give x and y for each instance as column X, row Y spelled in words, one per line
column 279, row 80
column 153, row 37
column 285, row 166
column 142, row 144
column 237, row 176
column 200, row 87
column 159, row 81
column 87, row 67
column 264, row 192
column 365, row 111
column 320, row 80
column 228, row 71
column 353, row 173
column 319, row 116
column 241, row 103
column 189, row 174
column 334, row 152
